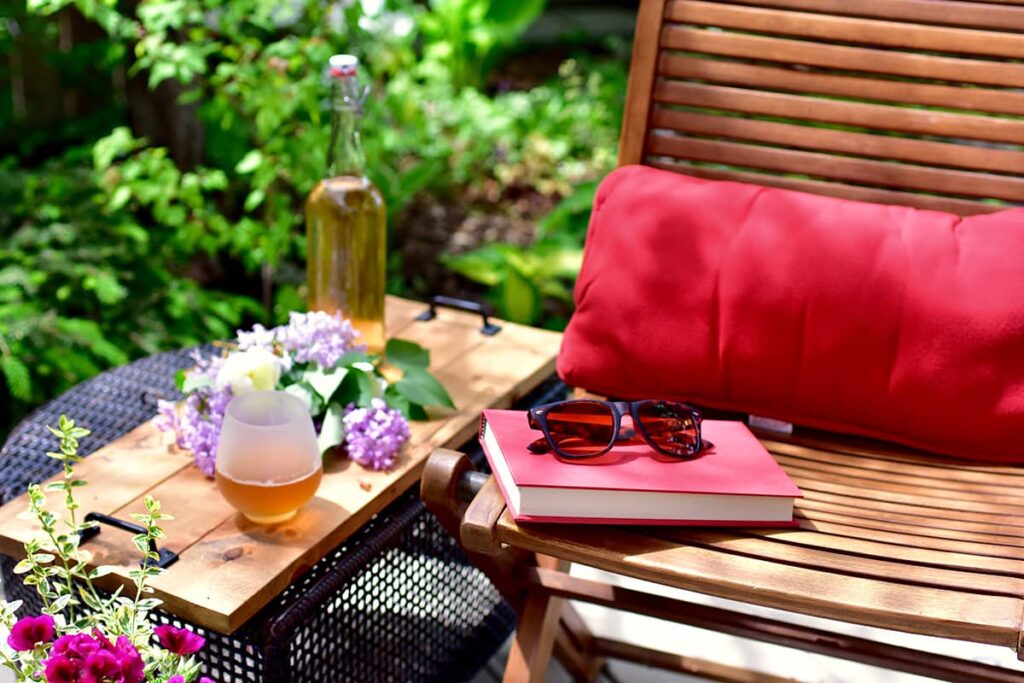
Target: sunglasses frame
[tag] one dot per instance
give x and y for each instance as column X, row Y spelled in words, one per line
column 537, row 419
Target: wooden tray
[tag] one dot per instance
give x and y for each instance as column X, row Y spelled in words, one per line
column 229, row 567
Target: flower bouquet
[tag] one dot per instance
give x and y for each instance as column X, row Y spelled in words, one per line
column 360, row 402
column 82, row 635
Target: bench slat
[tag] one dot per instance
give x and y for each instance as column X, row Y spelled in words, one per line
column 856, row 59
column 907, row 36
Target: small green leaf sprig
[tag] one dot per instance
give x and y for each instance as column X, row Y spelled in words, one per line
column 58, row 569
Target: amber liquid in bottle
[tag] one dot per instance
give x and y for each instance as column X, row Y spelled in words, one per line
column 346, row 227
column 345, row 241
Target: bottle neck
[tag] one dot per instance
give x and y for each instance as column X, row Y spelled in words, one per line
column 345, row 156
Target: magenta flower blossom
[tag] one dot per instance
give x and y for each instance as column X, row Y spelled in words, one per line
column 99, row 667
column 29, row 631
column 60, row 669
column 130, row 661
column 81, row 658
column 374, row 435
column 176, row 678
column 180, row 641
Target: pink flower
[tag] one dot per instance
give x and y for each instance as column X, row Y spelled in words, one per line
column 180, row 641
column 29, row 631
column 176, row 678
column 206, row 679
column 60, row 669
column 81, row 658
column 100, row 667
column 129, row 660
column 75, row 646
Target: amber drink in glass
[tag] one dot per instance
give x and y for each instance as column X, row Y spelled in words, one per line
column 346, row 228
column 268, row 461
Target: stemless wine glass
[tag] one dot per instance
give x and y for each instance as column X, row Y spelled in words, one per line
column 268, row 461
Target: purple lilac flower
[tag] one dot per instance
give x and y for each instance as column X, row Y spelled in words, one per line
column 374, row 435
column 197, row 425
column 257, row 337
column 180, row 641
column 31, row 630
column 319, row 337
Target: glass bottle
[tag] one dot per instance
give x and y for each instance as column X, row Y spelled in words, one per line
column 346, row 232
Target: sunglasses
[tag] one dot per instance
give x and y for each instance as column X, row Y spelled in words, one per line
column 587, row 428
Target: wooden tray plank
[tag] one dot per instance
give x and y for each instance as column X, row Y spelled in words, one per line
column 117, row 474
column 230, row 567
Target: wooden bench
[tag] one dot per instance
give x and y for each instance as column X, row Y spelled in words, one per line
column 887, row 537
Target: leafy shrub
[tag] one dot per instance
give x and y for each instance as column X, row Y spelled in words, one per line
column 90, row 269
column 102, row 240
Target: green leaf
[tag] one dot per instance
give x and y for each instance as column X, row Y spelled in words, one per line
column 519, row 299
column 195, row 381
column 406, row 355
column 421, row 388
column 368, row 387
column 332, row 432
column 17, row 376
column 305, row 393
column 325, row 383
column 250, row 162
column 352, row 357
column 179, row 380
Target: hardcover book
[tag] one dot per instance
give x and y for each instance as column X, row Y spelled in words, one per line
column 735, row 483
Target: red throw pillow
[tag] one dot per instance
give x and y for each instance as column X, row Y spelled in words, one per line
column 884, row 321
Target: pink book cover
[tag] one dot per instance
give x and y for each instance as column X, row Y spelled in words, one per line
column 737, row 465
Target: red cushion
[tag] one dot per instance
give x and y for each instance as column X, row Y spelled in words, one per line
column 883, row 321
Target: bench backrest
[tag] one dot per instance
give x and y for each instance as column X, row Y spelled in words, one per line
column 916, row 102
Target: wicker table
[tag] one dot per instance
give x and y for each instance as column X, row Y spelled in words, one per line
column 395, row 601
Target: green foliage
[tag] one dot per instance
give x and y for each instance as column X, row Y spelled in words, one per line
column 520, row 279
column 101, row 240
column 469, row 36
column 89, row 270
column 58, row 570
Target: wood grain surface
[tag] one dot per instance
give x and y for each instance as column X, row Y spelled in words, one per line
column 230, row 567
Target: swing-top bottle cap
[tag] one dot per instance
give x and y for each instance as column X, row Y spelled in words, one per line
column 343, row 66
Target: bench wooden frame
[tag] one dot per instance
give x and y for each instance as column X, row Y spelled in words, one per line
column 887, row 537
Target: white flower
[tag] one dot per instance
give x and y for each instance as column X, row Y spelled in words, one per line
column 255, row 369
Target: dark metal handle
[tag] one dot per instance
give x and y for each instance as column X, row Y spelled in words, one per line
column 483, row 310
column 166, row 557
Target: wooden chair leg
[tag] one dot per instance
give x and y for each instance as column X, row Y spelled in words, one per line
column 531, row 650
column 571, row 638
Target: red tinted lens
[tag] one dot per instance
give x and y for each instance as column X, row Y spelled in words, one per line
column 581, row 428
column 670, row 426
